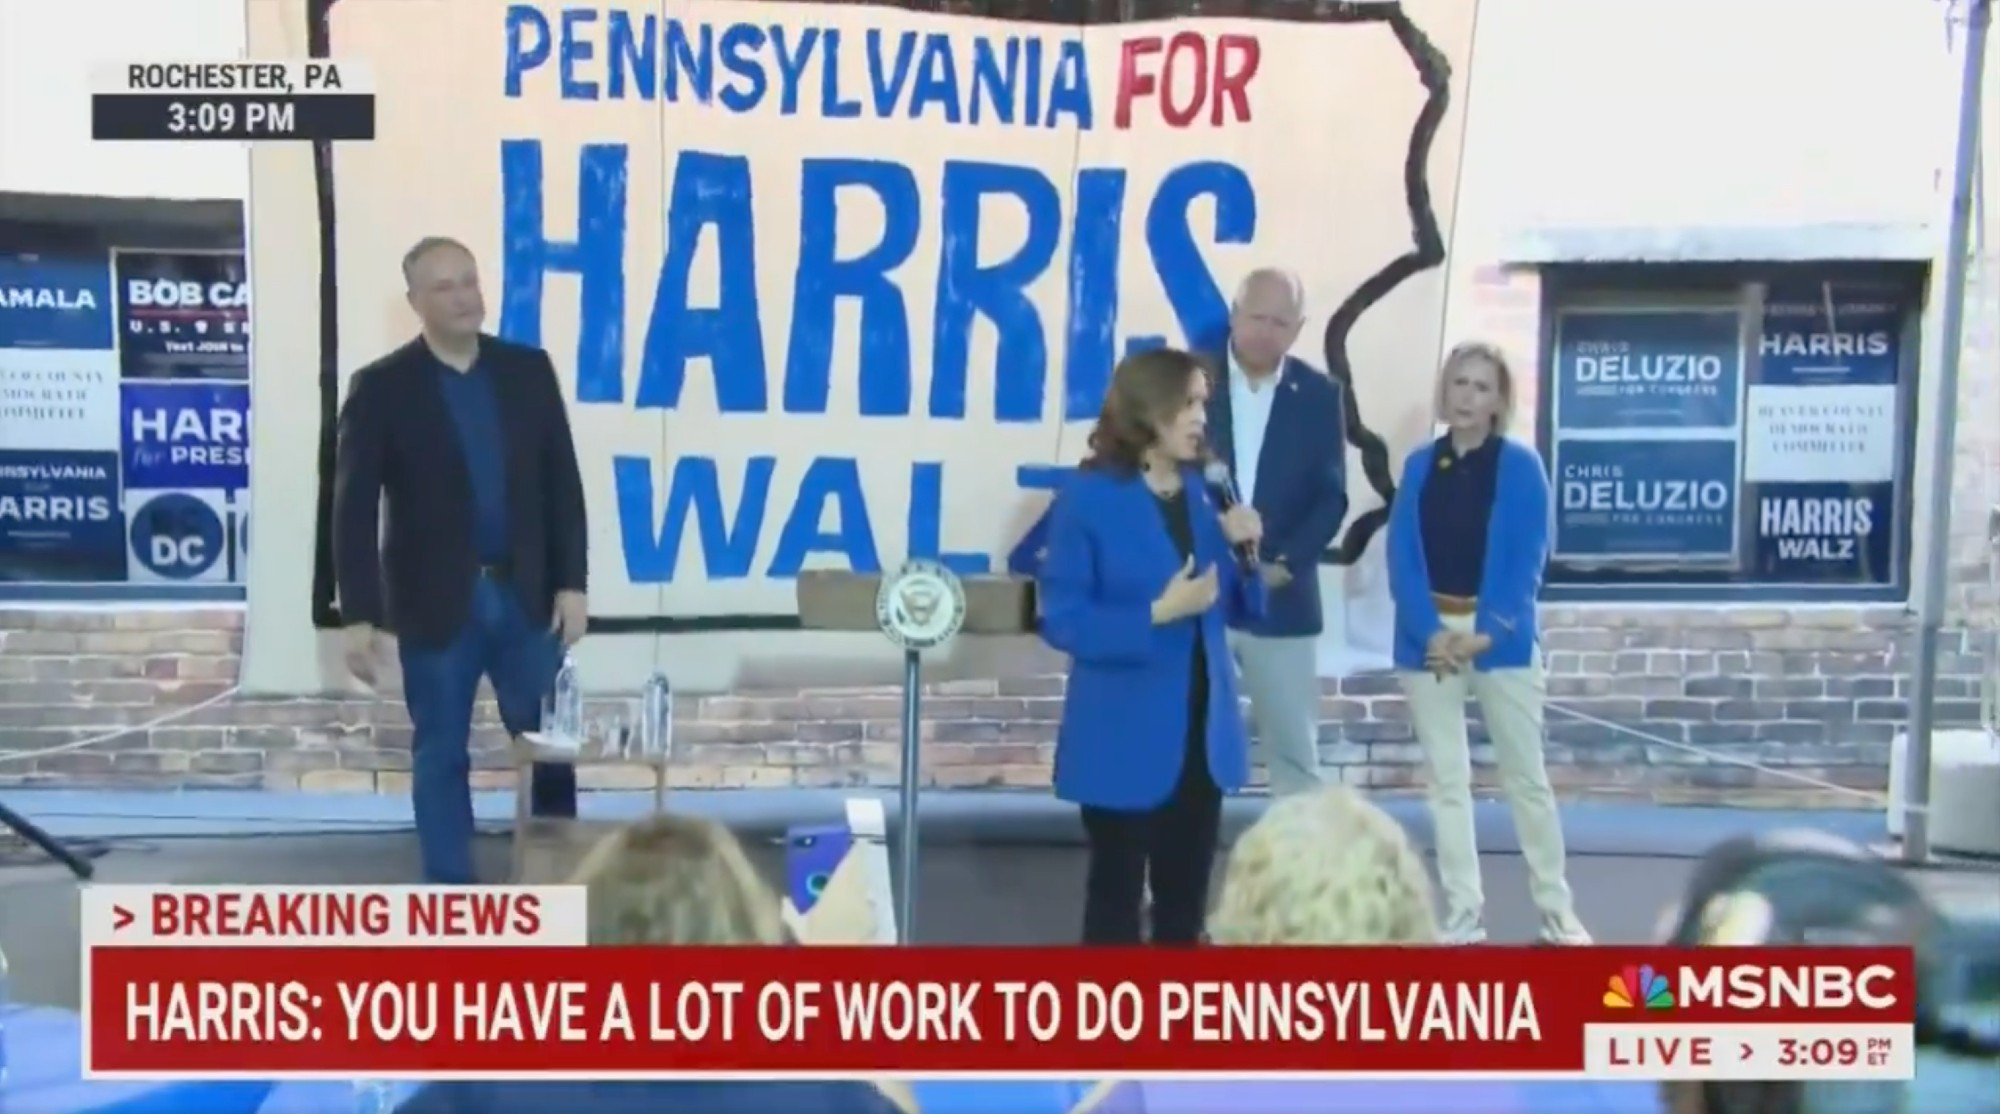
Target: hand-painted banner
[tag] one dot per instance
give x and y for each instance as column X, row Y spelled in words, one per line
column 59, row 517
column 186, row 435
column 1638, row 501
column 51, row 301
column 183, row 315
column 835, row 284
column 1647, row 370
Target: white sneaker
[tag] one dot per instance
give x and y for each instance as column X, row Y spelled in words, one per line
column 1565, row 930
column 1462, row 928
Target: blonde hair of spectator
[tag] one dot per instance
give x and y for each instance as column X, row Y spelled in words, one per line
column 1324, row 868
column 676, row 880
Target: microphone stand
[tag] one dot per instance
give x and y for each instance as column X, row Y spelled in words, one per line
column 47, row 844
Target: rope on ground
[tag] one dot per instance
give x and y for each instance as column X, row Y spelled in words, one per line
column 1711, row 754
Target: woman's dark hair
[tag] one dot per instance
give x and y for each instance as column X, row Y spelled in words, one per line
column 1148, row 390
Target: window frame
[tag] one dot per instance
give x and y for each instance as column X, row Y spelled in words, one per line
column 1568, row 285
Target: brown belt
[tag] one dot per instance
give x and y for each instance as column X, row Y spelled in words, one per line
column 1455, row 605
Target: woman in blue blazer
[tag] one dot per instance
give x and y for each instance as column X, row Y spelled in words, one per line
column 1468, row 540
column 1138, row 585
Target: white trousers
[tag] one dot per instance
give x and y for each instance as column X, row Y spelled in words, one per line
column 1281, row 678
column 1511, row 701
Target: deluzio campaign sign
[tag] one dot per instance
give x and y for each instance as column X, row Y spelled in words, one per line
column 186, row 435
column 183, row 314
column 1668, row 369
column 1826, row 402
column 49, row 301
column 832, row 285
column 1629, row 501
column 59, row 516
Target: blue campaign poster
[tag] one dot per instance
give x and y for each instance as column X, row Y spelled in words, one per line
column 1831, row 334
column 183, row 315
column 48, row 301
column 185, row 435
column 1825, row 533
column 1640, row 371
column 1631, row 500
column 60, row 518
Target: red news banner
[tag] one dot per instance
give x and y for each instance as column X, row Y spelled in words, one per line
column 493, row 983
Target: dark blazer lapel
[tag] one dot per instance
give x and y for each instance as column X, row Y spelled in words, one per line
column 1287, row 433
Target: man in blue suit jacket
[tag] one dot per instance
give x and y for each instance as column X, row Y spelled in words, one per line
column 1281, row 427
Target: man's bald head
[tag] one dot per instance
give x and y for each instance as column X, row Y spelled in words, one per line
column 1265, row 318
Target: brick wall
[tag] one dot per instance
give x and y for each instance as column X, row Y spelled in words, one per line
column 1812, row 692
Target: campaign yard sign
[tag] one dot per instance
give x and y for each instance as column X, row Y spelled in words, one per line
column 1643, row 370
column 49, row 301
column 1826, row 403
column 1831, row 533
column 1666, row 501
column 183, row 314
column 188, row 436
column 59, row 517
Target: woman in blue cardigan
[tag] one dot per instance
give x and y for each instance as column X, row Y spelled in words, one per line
column 1468, row 540
column 1138, row 585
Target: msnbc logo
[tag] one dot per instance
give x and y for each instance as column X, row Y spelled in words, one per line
column 1639, row 986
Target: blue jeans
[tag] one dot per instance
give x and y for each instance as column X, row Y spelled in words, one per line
column 439, row 686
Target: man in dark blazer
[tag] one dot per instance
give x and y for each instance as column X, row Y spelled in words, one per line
column 481, row 570
column 1280, row 425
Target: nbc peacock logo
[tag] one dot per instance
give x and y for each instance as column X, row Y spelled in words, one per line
column 1639, row 986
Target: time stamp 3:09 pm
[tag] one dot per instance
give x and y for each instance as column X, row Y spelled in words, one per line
column 315, row 100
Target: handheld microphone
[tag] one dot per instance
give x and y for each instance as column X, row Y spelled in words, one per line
column 1216, row 475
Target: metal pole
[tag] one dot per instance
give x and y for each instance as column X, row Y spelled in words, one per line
column 906, row 847
column 1937, row 540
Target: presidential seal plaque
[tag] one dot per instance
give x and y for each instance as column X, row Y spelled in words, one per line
column 921, row 606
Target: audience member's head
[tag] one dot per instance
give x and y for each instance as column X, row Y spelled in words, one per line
column 1809, row 888
column 1324, row 868
column 676, row 880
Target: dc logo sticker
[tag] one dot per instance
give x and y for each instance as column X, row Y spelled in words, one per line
column 177, row 536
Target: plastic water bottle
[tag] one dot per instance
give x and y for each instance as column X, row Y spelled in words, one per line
column 656, row 718
column 374, row 1096
column 568, row 725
